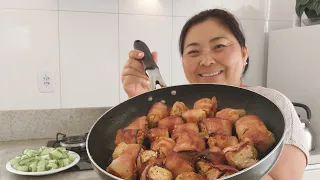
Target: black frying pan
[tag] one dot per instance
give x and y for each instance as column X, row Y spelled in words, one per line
column 100, row 140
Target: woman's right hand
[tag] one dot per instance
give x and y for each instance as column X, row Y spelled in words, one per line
column 133, row 77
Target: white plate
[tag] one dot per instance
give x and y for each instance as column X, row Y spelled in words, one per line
column 74, row 162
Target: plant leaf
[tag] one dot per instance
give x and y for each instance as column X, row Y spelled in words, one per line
column 311, row 4
column 317, row 7
column 300, row 10
column 301, row 2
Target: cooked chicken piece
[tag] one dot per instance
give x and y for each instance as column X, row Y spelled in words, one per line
column 251, row 128
column 157, row 112
column 231, row 114
column 242, row 155
column 170, row 122
column 213, row 174
column 189, row 176
column 123, row 167
column 203, row 130
column 145, row 158
column 194, row 115
column 178, row 108
column 203, row 167
column 188, row 140
column 180, row 127
column 129, row 136
column 159, row 173
column 218, row 142
column 176, row 164
column 208, row 105
column 215, row 158
column 191, row 156
column 226, row 170
column 163, row 145
column 155, row 133
column 124, row 148
column 139, row 123
column 215, row 126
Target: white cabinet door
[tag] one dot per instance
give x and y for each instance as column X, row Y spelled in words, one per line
column 311, row 174
column 89, row 59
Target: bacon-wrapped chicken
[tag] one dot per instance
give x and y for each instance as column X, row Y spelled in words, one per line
column 145, row 158
column 155, row 133
column 155, row 172
column 252, row 129
column 129, row 136
column 242, row 155
column 163, row 145
column 178, row 108
column 218, row 142
column 189, row 176
column 123, row 167
column 176, row 164
column 124, row 148
column 180, row 127
column 157, row 112
column 214, row 126
column 215, row 158
column 194, row 115
column 213, row 172
column 139, row 123
column 188, row 140
column 208, row 105
column 170, row 122
column 231, row 114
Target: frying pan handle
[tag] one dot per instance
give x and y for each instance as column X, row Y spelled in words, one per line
column 305, row 107
column 147, row 60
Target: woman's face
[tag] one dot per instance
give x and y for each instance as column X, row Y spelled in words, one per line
column 213, row 55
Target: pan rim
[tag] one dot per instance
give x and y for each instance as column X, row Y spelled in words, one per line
column 280, row 143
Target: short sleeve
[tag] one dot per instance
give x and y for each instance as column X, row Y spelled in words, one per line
column 294, row 134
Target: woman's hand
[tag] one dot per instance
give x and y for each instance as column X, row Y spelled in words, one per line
column 133, row 77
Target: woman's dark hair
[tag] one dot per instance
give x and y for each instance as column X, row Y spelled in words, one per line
column 225, row 18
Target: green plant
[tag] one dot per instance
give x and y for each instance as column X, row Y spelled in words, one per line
column 310, row 7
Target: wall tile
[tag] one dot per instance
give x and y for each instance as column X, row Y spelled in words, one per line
column 89, row 59
column 255, row 40
column 151, row 7
column 277, row 25
column 247, row 9
column 29, row 4
column 282, row 10
column 178, row 76
column 157, row 35
column 191, row 7
column 89, row 5
column 29, row 45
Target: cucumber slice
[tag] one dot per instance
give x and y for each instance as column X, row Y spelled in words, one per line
column 52, row 166
column 57, row 154
column 23, row 168
column 33, row 167
column 41, row 166
column 25, row 161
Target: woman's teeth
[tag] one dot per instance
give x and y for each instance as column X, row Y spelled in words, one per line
column 211, row 74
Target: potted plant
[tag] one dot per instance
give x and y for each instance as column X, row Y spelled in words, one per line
column 310, row 7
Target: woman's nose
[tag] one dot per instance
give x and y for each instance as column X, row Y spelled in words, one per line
column 207, row 59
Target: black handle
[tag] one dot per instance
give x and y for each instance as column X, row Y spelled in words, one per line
column 147, row 60
column 305, row 107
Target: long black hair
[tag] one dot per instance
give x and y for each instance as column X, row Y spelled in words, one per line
column 227, row 19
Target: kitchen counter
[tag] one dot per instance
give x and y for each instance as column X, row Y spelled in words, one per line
column 11, row 149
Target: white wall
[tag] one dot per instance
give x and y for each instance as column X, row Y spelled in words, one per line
column 84, row 44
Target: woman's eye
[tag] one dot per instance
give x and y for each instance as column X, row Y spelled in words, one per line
column 193, row 52
column 219, row 46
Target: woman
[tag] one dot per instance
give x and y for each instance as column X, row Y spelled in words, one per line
column 213, row 50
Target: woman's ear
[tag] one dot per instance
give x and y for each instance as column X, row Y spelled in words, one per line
column 245, row 54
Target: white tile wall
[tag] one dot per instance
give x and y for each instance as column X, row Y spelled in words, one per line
column 148, row 7
column 29, row 4
column 255, row 37
column 247, row 9
column 28, row 46
column 89, row 59
column 191, row 7
column 93, row 49
column 89, row 5
column 155, row 31
column 178, row 76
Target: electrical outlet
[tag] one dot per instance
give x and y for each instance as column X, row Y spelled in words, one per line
column 46, row 82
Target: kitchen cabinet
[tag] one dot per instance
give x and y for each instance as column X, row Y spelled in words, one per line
column 89, row 59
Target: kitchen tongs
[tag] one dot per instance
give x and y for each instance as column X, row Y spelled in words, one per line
column 150, row 67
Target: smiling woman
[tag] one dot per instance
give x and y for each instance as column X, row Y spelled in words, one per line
column 214, row 50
